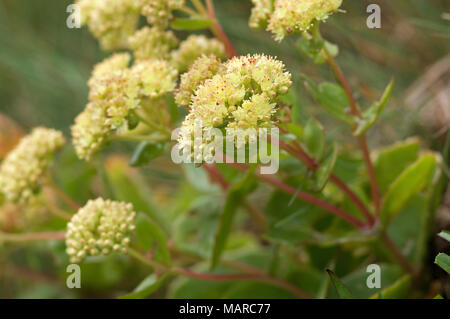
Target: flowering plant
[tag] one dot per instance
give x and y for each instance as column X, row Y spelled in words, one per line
column 327, row 214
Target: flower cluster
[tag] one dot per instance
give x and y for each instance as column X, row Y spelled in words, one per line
column 283, row 17
column 192, row 48
column 203, row 68
column 99, row 228
column 159, row 12
column 111, row 22
column 241, row 95
column 152, row 43
column 117, row 90
column 23, row 169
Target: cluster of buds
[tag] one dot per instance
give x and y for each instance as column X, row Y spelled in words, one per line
column 283, row 17
column 116, row 91
column 23, row 169
column 159, row 12
column 111, row 22
column 99, row 228
column 194, row 47
column 152, row 43
column 243, row 94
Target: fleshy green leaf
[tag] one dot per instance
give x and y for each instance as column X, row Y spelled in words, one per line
column 296, row 130
column 412, row 180
column 443, row 261
column 322, row 174
column 235, row 195
column 392, row 161
column 341, row 289
column 150, row 237
column 314, row 139
column 146, row 152
column 332, row 97
column 398, row 290
column 371, row 115
column 148, row 286
column 445, row 235
column 191, row 24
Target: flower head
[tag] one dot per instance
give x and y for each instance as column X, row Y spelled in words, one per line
column 261, row 11
column 241, row 96
column 112, row 22
column 194, row 47
column 159, row 12
column 22, row 170
column 116, row 91
column 153, row 78
column 291, row 16
column 203, row 68
column 152, row 43
column 99, row 228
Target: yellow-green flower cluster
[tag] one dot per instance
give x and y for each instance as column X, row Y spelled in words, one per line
column 159, row 12
column 22, row 170
column 192, row 48
column 203, row 68
column 111, row 22
column 242, row 95
column 116, row 90
column 99, row 228
column 284, row 17
column 261, row 11
column 152, row 43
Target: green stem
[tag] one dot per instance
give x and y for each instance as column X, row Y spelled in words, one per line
column 29, row 237
column 199, row 7
column 142, row 138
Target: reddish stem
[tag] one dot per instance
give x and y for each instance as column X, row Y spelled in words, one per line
column 218, row 31
column 398, row 254
column 239, row 277
column 361, row 139
column 305, row 197
column 311, row 163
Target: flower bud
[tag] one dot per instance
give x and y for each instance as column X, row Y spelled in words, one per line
column 100, row 227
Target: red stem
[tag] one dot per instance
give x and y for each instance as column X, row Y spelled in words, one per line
column 361, row 139
column 305, row 197
column 218, row 31
column 239, row 277
column 305, row 158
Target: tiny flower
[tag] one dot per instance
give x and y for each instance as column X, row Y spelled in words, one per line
column 261, row 11
column 111, row 22
column 22, row 171
column 291, row 16
column 159, row 12
column 99, row 228
column 194, row 47
column 152, row 43
column 203, row 68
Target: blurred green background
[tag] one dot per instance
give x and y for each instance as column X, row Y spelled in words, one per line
column 44, row 67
